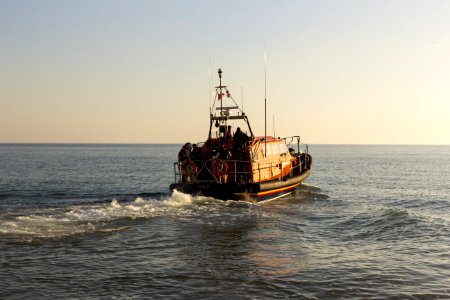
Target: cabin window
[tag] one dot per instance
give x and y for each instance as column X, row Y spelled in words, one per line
column 275, row 150
column 272, row 149
column 268, row 149
column 258, row 153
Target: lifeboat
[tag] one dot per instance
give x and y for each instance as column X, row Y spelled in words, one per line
column 234, row 164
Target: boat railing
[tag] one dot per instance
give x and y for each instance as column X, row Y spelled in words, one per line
column 241, row 171
column 181, row 176
column 301, row 147
column 235, row 172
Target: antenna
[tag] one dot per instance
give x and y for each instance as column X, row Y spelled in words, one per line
column 242, row 97
column 220, row 91
column 273, row 124
column 265, row 104
column 210, row 87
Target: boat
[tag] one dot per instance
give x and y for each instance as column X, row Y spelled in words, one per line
column 240, row 166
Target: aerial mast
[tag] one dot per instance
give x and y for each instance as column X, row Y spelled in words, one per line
column 265, row 105
column 220, row 91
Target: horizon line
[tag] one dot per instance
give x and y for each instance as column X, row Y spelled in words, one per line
column 181, row 143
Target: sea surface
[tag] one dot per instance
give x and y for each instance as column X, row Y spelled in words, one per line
column 99, row 222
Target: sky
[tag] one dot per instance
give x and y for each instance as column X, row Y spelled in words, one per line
column 336, row 72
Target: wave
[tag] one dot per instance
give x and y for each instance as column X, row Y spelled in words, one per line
column 99, row 216
column 36, row 200
column 77, row 217
column 393, row 223
column 29, row 225
column 310, row 192
column 309, row 187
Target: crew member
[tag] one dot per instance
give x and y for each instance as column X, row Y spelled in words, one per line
column 240, row 138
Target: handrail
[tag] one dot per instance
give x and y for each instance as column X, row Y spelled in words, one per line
column 238, row 169
column 291, row 139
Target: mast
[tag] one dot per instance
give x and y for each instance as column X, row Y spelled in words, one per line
column 210, row 86
column 265, row 105
column 226, row 111
column 273, row 125
column 220, row 90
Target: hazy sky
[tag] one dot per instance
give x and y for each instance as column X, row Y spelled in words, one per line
column 360, row 72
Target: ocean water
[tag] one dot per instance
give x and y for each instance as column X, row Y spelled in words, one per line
column 98, row 222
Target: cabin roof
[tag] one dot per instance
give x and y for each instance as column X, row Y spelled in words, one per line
column 269, row 139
